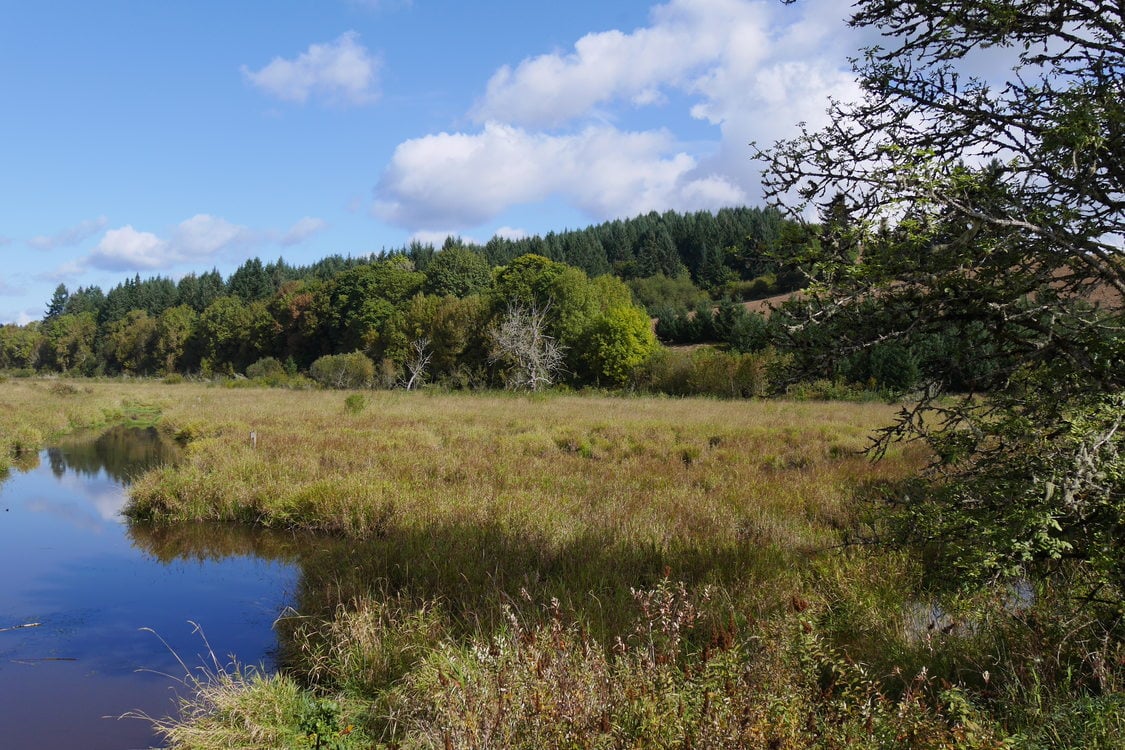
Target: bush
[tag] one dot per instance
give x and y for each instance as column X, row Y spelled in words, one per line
column 709, row 372
column 267, row 369
column 355, row 370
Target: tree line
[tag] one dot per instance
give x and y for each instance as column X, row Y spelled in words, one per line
column 456, row 309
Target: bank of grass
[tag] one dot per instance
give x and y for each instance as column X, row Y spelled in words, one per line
column 583, row 571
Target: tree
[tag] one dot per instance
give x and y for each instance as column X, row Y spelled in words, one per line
column 997, row 209
column 129, row 343
column 175, row 329
column 616, row 343
column 417, row 362
column 457, row 271
column 57, row 305
column 69, row 343
column 532, row 359
column 251, row 281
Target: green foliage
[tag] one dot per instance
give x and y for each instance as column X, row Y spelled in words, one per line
column 709, row 372
column 69, row 343
column 355, row 370
column 1022, row 255
column 267, row 370
column 233, row 333
column 658, row 292
column 615, row 343
column 355, row 403
column 175, row 330
column 457, row 271
column 128, row 345
column 526, row 281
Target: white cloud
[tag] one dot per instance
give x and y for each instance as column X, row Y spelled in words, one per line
column 462, row 180
column 200, row 237
column 435, row 237
column 341, row 71
column 127, row 249
column 685, row 36
column 203, row 236
column 69, row 236
column 510, row 233
column 749, row 70
column 302, row 230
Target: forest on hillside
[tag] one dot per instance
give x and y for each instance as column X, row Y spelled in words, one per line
column 578, row 308
column 421, row 313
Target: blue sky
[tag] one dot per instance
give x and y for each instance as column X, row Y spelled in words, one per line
column 162, row 138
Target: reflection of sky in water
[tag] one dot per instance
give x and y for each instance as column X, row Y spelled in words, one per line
column 66, row 561
column 90, row 502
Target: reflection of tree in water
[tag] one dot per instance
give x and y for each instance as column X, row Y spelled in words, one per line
column 202, row 542
column 123, row 452
column 474, row 570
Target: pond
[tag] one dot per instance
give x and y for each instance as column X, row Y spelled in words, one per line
column 95, row 594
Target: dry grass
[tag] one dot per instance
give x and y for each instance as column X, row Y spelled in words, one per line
column 563, row 466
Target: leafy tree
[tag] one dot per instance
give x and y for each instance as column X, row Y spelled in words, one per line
column 20, row 346
column 69, row 343
column 656, row 292
column 616, row 342
column 294, row 312
column 526, row 282
column 129, row 343
column 356, row 307
column 1025, row 249
column 175, row 330
column 456, row 331
column 233, row 334
column 457, row 271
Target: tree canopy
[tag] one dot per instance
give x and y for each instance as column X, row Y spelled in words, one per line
column 990, row 209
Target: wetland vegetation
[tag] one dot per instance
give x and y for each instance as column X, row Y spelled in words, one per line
column 577, row 570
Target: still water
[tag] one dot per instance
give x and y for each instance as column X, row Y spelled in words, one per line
column 69, row 562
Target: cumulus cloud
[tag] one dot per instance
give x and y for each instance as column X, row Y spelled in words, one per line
column 68, row 237
column 462, row 180
column 341, row 72
column 302, row 230
column 746, row 70
column 200, row 237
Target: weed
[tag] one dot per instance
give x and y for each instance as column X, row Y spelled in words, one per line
column 355, row 403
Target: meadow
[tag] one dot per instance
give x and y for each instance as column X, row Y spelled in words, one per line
column 562, row 570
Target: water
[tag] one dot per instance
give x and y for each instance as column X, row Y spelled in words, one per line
column 69, row 562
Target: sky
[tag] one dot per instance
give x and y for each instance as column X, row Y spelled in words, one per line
column 161, row 138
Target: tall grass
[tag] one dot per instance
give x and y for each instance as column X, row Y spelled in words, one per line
column 582, row 571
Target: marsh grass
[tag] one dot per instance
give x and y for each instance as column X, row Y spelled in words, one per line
column 231, row 705
column 582, row 571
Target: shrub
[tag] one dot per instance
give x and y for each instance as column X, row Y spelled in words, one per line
column 355, row 370
column 266, row 369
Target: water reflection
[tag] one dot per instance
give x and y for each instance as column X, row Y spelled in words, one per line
column 122, row 453
column 69, row 562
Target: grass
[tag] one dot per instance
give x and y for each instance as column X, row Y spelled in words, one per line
column 580, row 571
